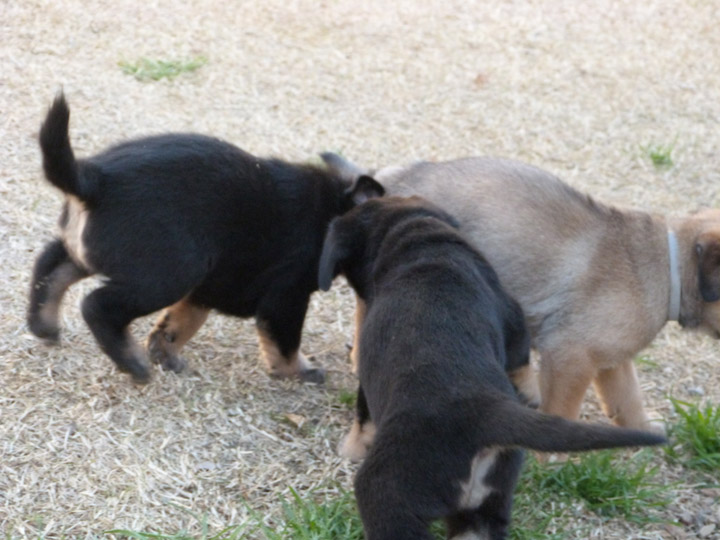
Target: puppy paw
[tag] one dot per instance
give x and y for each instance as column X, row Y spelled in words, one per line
column 137, row 368
column 49, row 333
column 159, row 354
column 312, row 375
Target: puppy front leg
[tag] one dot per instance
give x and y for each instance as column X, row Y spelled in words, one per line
column 279, row 324
column 53, row 274
column 173, row 329
column 619, row 391
column 357, row 443
column 360, row 310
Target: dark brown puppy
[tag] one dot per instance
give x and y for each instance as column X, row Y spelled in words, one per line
column 437, row 339
column 190, row 222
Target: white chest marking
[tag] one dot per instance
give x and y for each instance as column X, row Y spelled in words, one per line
column 72, row 232
column 475, row 490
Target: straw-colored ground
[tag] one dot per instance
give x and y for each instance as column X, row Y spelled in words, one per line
column 578, row 88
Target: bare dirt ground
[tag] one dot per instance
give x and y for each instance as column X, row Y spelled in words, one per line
column 578, row 88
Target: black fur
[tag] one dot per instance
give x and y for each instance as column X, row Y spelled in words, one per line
column 438, row 337
column 186, row 216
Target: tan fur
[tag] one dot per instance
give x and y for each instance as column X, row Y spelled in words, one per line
column 526, row 381
column 357, row 443
column 593, row 280
column 73, row 230
column 277, row 364
column 173, row 329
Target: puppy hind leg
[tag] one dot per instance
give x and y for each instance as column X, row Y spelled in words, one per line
column 53, row 274
column 110, row 309
column 564, row 379
column 619, row 391
column 173, row 329
column 280, row 320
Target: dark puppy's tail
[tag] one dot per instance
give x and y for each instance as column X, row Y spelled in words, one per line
column 59, row 163
column 531, row 429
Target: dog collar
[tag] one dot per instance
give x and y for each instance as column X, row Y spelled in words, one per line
column 674, row 308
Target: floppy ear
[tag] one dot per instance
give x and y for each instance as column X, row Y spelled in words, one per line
column 365, row 188
column 335, row 249
column 708, row 253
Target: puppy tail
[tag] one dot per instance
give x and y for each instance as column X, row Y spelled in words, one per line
column 59, row 163
column 529, row 428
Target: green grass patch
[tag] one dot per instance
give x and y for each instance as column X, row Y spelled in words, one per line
column 306, row 519
column 645, row 362
column 348, row 398
column 609, row 484
column 660, row 155
column 146, row 69
column 696, row 437
column 534, row 513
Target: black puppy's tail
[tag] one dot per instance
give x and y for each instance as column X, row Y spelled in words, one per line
column 59, row 163
column 528, row 428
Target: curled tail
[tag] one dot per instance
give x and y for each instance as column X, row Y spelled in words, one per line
column 528, row 428
column 59, row 163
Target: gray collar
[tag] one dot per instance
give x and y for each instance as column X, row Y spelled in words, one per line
column 674, row 307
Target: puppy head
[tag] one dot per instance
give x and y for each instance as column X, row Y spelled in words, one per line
column 707, row 251
column 353, row 240
column 705, row 258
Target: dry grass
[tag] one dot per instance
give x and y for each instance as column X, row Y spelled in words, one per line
column 579, row 88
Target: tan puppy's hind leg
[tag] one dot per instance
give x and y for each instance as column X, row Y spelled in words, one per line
column 173, row 329
column 564, row 378
column 619, row 391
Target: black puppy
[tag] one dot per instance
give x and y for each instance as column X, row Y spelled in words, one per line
column 438, row 337
column 193, row 223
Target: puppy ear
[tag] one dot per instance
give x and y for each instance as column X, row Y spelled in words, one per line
column 365, row 188
column 342, row 167
column 335, row 249
column 707, row 249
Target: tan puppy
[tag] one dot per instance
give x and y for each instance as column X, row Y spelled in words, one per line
column 596, row 283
